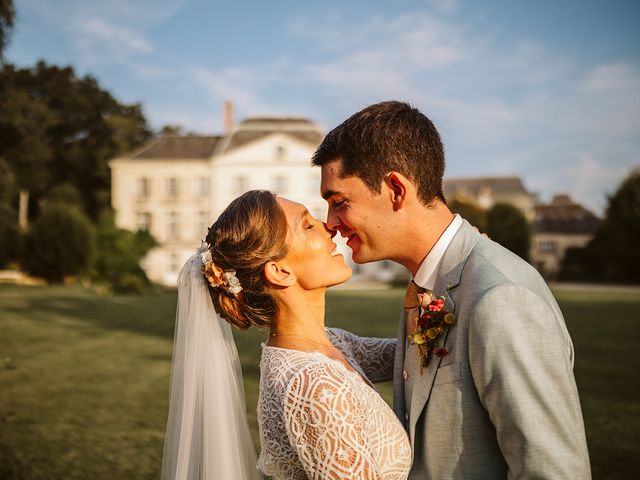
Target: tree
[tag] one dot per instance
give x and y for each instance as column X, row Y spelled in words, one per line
column 9, row 231
column 57, row 128
column 470, row 211
column 508, row 226
column 9, row 235
column 614, row 247
column 118, row 255
column 7, row 16
column 58, row 243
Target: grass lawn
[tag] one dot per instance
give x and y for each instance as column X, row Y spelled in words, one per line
column 84, row 379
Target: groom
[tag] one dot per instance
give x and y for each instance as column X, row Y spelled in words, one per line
column 495, row 397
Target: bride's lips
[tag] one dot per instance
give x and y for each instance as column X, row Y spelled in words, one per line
column 334, row 251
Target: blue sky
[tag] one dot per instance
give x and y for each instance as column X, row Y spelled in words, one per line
column 547, row 90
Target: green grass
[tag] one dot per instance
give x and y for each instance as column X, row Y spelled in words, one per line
column 84, row 378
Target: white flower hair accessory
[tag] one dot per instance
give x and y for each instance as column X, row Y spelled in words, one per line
column 216, row 276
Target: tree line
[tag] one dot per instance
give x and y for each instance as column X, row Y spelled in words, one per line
column 57, row 133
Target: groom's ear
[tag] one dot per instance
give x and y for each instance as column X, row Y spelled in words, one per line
column 397, row 188
column 279, row 274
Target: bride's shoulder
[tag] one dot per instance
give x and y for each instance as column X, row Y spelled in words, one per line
column 339, row 334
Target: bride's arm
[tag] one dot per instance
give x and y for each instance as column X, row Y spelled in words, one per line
column 374, row 355
column 325, row 420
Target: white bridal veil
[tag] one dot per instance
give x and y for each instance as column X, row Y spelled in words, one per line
column 207, row 432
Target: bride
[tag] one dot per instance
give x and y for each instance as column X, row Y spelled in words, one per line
column 268, row 263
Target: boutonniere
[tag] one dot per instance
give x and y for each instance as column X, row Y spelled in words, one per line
column 429, row 327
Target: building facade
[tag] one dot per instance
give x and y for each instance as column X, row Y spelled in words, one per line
column 487, row 191
column 558, row 226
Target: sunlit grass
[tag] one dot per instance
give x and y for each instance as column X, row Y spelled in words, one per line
column 84, row 379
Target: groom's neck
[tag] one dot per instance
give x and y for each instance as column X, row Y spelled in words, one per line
column 424, row 228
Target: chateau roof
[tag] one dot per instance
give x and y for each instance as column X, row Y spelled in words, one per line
column 254, row 128
column 477, row 185
column 178, row 147
column 562, row 215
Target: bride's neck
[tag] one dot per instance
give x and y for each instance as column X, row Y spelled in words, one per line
column 301, row 313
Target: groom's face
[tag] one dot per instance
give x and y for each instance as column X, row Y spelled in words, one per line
column 356, row 212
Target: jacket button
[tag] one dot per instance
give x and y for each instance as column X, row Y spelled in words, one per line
column 405, row 375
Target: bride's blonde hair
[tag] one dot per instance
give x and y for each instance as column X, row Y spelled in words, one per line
column 250, row 232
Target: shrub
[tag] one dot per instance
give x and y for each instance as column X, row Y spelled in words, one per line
column 118, row 256
column 59, row 243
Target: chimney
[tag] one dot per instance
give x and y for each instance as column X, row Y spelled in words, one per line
column 227, row 120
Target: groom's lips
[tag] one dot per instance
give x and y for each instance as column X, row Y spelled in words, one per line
column 353, row 238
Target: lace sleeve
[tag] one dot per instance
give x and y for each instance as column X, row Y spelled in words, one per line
column 325, row 422
column 374, row 355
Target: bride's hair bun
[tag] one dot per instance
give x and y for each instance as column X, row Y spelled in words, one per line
column 249, row 233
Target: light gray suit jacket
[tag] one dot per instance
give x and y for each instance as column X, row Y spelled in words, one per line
column 503, row 402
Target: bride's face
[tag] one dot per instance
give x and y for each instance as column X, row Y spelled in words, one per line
column 312, row 256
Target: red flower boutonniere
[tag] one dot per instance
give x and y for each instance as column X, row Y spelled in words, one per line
column 429, row 326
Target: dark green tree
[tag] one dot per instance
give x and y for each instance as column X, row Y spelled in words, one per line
column 7, row 17
column 470, row 211
column 9, row 231
column 59, row 243
column 508, row 226
column 57, row 128
column 118, row 255
column 9, row 235
column 614, row 248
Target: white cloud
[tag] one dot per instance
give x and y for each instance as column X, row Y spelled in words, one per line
column 97, row 37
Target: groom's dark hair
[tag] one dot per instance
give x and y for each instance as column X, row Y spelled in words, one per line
column 385, row 137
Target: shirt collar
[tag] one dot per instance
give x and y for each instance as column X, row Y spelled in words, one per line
column 426, row 274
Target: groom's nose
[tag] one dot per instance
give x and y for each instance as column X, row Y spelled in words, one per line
column 333, row 222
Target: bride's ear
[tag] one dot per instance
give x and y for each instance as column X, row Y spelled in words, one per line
column 278, row 273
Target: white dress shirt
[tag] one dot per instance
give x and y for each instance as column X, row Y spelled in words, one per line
column 426, row 274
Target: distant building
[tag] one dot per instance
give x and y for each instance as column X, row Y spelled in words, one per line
column 560, row 225
column 487, row 191
column 176, row 186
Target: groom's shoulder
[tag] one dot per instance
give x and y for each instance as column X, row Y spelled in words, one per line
column 489, row 264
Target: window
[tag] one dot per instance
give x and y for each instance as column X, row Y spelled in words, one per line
column 280, row 184
column 547, row 246
column 201, row 186
column 240, row 185
column 202, row 224
column 172, row 187
column 173, row 226
column 143, row 221
column 142, row 188
column 279, row 152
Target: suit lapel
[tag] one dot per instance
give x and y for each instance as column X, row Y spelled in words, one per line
column 449, row 274
column 398, row 367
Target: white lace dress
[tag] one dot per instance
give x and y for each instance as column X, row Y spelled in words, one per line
column 320, row 420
